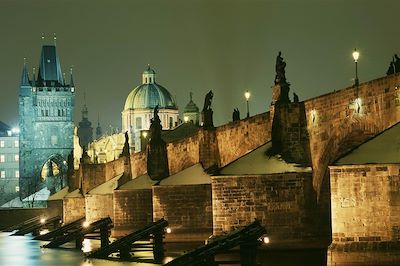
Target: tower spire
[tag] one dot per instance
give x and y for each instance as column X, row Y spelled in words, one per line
column 25, row 75
column 71, row 80
column 55, row 38
column 98, row 128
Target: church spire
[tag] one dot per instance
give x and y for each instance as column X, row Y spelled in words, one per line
column 84, row 109
column 25, row 75
column 71, row 80
column 98, row 128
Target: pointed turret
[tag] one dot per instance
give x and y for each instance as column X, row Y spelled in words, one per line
column 98, row 128
column 71, row 79
column 25, row 75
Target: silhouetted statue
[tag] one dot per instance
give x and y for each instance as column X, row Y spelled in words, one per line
column 236, row 115
column 125, row 149
column 295, row 98
column 280, row 65
column 155, row 125
column 396, row 64
column 157, row 161
column 207, row 112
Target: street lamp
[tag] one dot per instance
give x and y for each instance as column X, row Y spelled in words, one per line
column 356, row 55
column 247, row 96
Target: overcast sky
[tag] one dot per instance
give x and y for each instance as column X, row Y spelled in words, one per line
column 227, row 46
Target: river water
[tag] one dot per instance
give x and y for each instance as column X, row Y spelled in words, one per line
column 23, row 251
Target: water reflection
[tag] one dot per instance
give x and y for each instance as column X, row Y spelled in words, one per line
column 23, row 251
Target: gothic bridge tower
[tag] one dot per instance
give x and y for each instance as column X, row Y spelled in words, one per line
column 46, row 108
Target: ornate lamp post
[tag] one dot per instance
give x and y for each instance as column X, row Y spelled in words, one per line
column 247, row 96
column 356, row 55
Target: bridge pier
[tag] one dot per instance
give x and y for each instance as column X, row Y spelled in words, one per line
column 248, row 253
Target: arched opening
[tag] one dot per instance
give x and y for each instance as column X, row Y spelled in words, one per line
column 54, row 173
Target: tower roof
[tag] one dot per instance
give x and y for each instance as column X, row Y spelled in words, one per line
column 49, row 66
column 25, row 76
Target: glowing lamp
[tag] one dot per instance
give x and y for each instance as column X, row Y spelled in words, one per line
column 356, row 55
column 85, row 224
column 168, row 230
column 247, row 95
column 42, row 220
column 186, row 119
column 144, row 134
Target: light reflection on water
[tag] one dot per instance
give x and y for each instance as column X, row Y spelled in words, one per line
column 23, row 251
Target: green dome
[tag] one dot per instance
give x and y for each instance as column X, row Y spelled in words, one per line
column 148, row 96
column 191, row 107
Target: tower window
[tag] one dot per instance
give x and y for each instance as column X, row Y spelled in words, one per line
column 16, row 157
column 17, row 189
column 171, row 122
column 54, row 140
column 3, row 174
column 42, row 112
column 1, row 143
column 17, row 173
column 2, row 158
column 47, row 112
column 16, row 143
column 138, row 122
column 59, row 112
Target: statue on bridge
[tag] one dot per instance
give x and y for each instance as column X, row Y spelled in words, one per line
column 207, row 113
column 280, row 65
column 236, row 115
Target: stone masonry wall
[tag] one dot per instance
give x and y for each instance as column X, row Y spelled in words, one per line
column 133, row 209
column 238, row 138
column 282, row 202
column 337, row 123
column 183, row 154
column 139, row 163
column 73, row 209
column 98, row 207
column 96, row 174
column 365, row 203
column 187, row 208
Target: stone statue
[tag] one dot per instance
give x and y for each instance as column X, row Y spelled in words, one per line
column 207, row 113
column 125, row 149
column 155, row 126
column 236, row 115
column 280, row 70
column 207, row 101
column 396, row 62
column 295, row 98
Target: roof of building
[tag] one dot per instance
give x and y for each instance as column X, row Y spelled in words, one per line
column 182, row 131
column 258, row 162
column 4, row 128
column 193, row 175
column 41, row 195
column 14, row 203
column 149, row 95
column 59, row 194
column 49, row 65
column 140, row 182
column 383, row 148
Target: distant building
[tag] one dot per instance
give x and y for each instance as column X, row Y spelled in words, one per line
column 140, row 104
column 85, row 130
column 46, row 107
column 9, row 162
column 191, row 112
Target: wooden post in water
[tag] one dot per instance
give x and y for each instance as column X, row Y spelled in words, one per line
column 158, row 249
column 104, row 236
column 78, row 242
column 248, row 253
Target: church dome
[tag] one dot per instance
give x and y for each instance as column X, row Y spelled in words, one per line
column 149, row 94
column 191, row 107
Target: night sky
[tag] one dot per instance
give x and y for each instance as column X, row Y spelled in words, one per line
column 227, row 46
